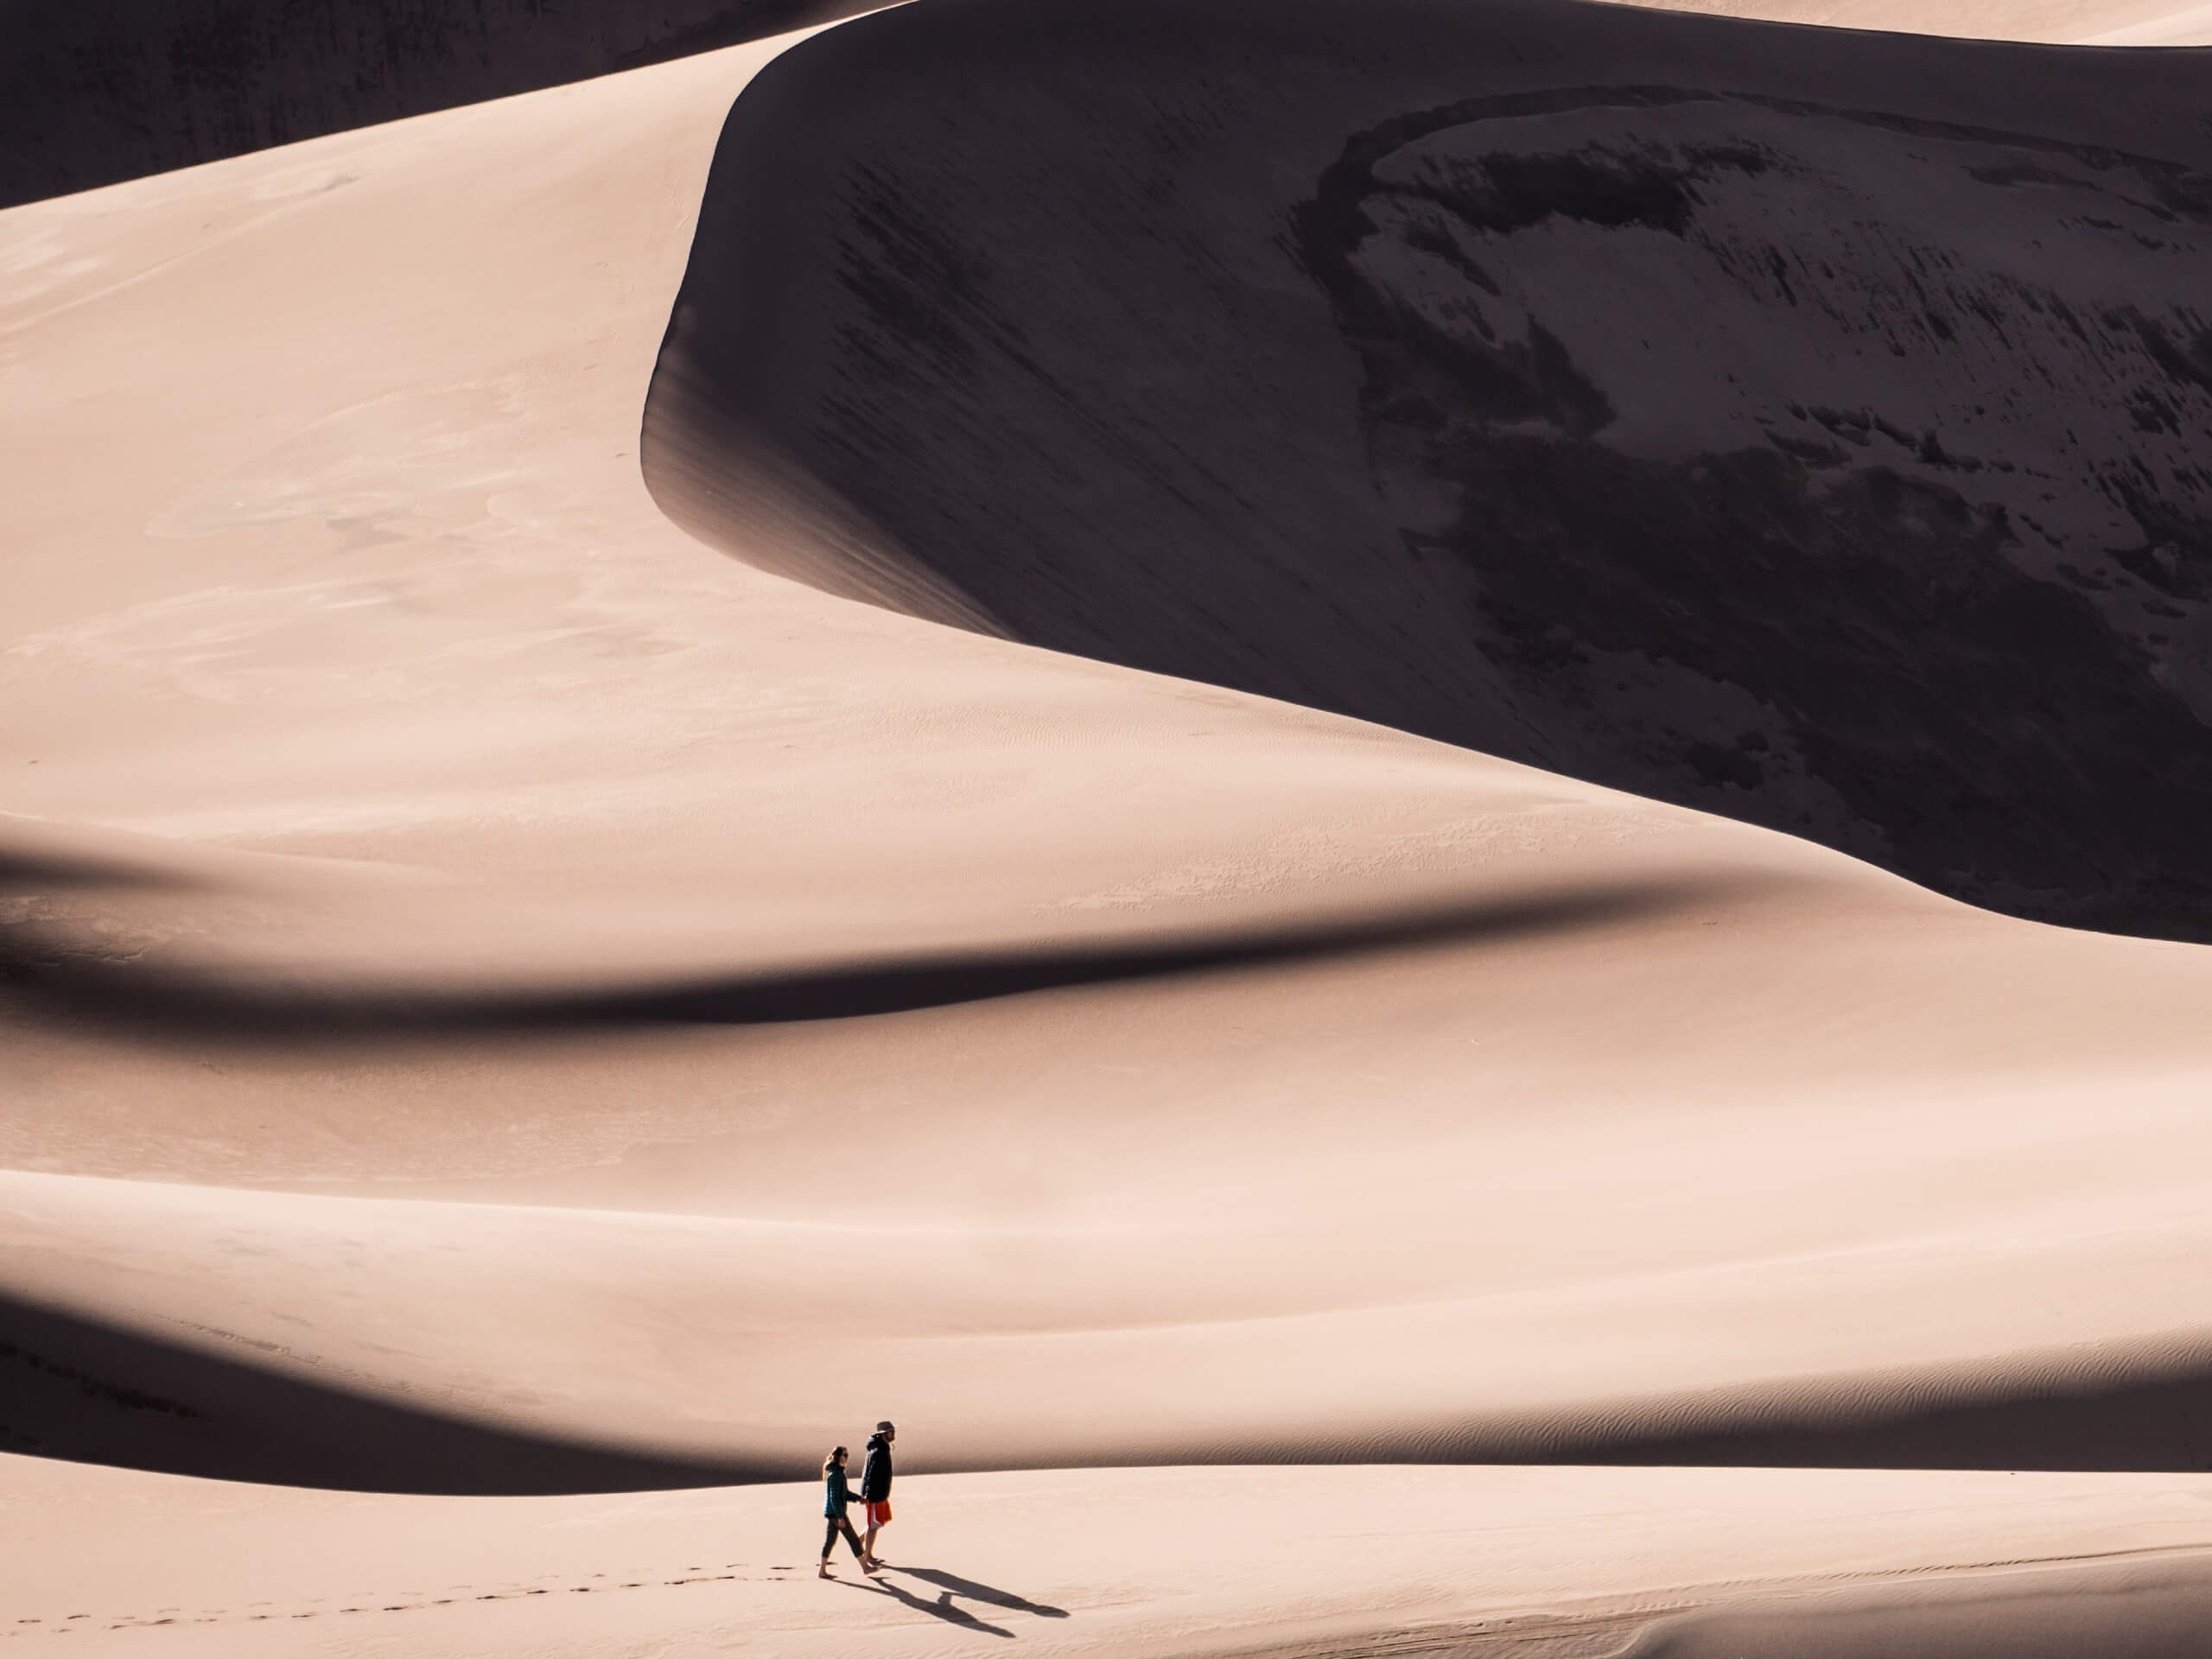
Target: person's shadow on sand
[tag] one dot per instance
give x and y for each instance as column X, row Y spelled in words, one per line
column 950, row 1585
column 955, row 1585
column 941, row 1608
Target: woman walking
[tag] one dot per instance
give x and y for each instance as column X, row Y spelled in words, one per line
column 835, row 1497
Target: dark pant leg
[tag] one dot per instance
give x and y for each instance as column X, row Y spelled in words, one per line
column 838, row 1524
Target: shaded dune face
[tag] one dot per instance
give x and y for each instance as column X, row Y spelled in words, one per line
column 1880, row 501
column 77, row 1389
column 1806, row 428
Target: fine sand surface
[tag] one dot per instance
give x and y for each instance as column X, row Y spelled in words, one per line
column 1319, row 1563
column 2190, row 28
column 502, row 999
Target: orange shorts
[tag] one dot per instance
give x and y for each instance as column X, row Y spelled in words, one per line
column 877, row 1513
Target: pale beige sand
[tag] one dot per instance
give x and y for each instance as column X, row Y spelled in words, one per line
column 2192, row 26
column 1562, row 1563
column 454, row 814
column 2138, row 22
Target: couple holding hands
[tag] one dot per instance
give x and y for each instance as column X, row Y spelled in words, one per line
column 874, row 1497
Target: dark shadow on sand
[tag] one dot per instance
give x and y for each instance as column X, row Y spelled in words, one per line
column 2144, row 1422
column 943, row 1607
column 90, row 1391
column 77, row 1389
column 44, row 974
column 25, row 871
column 956, row 1584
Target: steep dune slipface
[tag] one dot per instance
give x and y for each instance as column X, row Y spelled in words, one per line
column 1804, row 427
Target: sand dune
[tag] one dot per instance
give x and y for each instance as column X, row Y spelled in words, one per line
column 1801, row 427
column 513, row 939
column 501, row 999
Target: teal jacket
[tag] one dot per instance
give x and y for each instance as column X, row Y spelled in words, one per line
column 834, row 1501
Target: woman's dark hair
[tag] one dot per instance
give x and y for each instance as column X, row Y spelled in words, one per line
column 830, row 1462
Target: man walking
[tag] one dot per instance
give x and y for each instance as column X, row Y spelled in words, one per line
column 875, row 1488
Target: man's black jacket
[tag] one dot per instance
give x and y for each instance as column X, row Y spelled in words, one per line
column 875, row 1473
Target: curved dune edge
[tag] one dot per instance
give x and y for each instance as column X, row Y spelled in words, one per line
column 94, row 93
column 1790, row 424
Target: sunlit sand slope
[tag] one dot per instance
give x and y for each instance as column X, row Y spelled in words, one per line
column 2143, row 23
column 1318, row 1563
column 1800, row 426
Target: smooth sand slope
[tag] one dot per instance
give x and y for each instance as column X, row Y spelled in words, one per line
column 1800, row 426
column 1320, row 1563
column 500, row 998
column 2191, row 26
